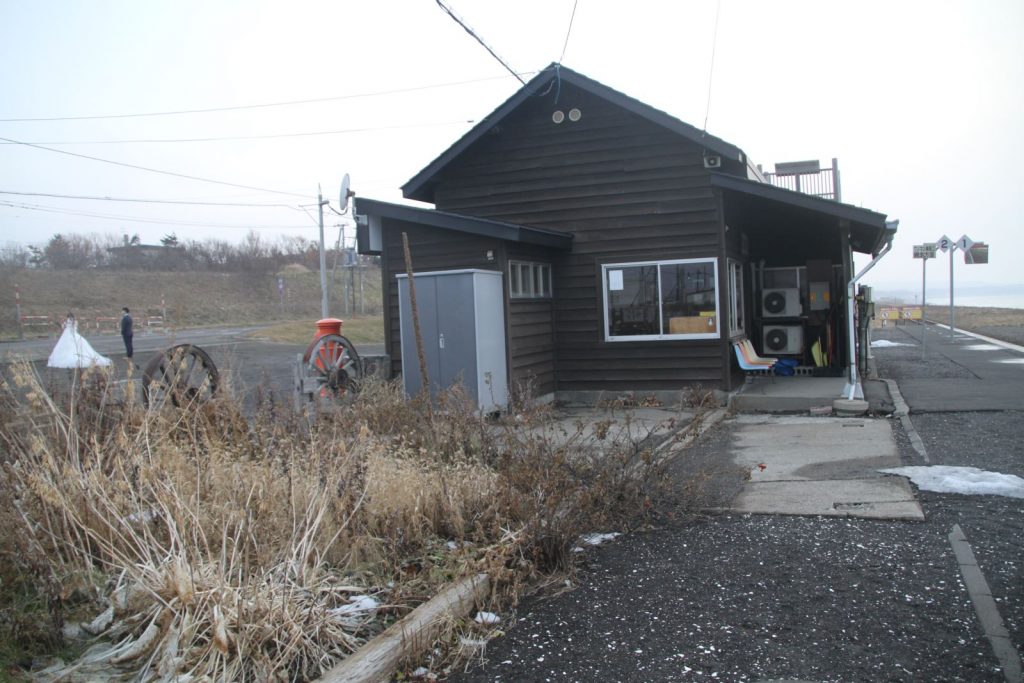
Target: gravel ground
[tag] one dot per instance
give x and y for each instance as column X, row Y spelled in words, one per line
column 749, row 598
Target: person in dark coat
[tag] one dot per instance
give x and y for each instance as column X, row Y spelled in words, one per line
column 126, row 332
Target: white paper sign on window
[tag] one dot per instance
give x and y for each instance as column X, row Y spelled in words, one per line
column 615, row 280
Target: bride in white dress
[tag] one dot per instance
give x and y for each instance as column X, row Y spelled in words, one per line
column 73, row 351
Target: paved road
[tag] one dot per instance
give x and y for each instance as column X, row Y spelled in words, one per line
column 244, row 362
column 758, row 597
column 964, row 373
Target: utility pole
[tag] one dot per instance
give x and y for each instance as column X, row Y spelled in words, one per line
column 323, row 256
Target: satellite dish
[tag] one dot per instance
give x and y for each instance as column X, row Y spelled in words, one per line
column 345, row 193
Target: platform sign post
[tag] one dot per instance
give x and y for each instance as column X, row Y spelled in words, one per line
column 924, row 252
column 966, row 245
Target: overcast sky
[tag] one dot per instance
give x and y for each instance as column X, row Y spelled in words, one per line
column 920, row 101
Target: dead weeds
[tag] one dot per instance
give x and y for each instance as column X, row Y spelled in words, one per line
column 199, row 544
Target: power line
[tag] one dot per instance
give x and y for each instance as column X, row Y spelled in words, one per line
column 136, row 219
column 711, row 70
column 242, row 137
column 479, row 40
column 154, row 170
column 568, row 31
column 147, row 201
column 288, row 103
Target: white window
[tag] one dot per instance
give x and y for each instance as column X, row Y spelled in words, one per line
column 736, row 312
column 661, row 300
column 529, row 280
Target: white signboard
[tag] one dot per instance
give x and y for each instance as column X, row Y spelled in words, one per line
column 944, row 244
column 615, row 280
column 964, row 243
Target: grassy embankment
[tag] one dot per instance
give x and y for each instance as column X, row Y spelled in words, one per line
column 191, row 299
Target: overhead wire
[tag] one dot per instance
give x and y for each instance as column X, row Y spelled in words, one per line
column 149, row 201
column 287, row 103
column 711, row 70
column 241, row 137
column 568, row 31
column 155, row 170
column 136, row 219
column 480, row 40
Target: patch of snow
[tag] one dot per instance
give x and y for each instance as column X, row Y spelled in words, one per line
column 885, row 343
column 486, row 618
column 354, row 613
column 965, row 480
column 598, row 539
column 143, row 516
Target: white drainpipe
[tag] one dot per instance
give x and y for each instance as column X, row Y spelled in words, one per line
column 853, row 389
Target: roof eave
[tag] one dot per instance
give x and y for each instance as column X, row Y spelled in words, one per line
column 854, row 215
column 462, row 223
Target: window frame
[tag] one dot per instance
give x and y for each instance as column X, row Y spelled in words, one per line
column 608, row 337
column 737, row 293
column 528, row 276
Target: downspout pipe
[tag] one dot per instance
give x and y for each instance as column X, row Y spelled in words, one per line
column 853, row 389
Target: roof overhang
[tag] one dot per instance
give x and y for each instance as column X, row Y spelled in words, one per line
column 419, row 187
column 371, row 214
column 869, row 230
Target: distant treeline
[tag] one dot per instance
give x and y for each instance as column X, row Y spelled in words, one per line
column 111, row 252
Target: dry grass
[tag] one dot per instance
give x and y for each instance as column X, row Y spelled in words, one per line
column 199, row 543
column 972, row 317
column 190, row 298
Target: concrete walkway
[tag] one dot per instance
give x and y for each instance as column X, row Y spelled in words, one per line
column 820, row 466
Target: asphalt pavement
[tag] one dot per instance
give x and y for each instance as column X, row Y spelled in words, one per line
column 741, row 597
column 247, row 364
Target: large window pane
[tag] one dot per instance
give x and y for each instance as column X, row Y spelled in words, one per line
column 632, row 300
column 662, row 300
column 688, row 298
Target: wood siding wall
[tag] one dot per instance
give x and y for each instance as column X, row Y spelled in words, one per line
column 529, row 322
column 628, row 190
column 531, row 329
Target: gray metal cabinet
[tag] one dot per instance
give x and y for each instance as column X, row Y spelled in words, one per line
column 462, row 320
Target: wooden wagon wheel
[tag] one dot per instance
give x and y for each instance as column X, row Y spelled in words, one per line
column 333, row 364
column 183, row 374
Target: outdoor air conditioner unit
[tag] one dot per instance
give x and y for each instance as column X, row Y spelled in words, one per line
column 781, row 303
column 784, row 339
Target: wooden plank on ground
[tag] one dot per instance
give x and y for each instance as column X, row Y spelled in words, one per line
column 377, row 660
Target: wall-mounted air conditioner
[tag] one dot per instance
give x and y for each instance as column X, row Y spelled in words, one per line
column 781, row 303
column 784, row 339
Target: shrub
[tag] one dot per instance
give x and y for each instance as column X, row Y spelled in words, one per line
column 202, row 540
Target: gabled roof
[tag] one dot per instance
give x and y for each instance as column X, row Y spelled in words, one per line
column 462, row 223
column 417, row 187
column 868, row 229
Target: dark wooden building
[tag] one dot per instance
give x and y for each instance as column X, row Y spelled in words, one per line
column 634, row 247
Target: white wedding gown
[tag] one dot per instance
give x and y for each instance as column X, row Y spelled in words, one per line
column 72, row 351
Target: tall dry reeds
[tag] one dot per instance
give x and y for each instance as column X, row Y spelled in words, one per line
column 199, row 542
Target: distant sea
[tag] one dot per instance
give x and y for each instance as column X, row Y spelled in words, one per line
column 996, row 297
column 991, row 300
